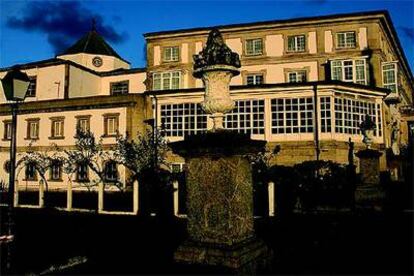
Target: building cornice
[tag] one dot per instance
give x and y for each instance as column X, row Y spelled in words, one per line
column 280, row 86
column 346, row 17
column 59, row 105
column 58, row 61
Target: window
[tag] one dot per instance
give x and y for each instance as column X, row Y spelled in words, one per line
column 297, row 76
column 346, row 40
column 111, row 124
column 171, row 53
column 246, row 117
column 32, row 129
column 292, row 115
column 7, row 130
column 30, row 172
column 349, row 70
column 31, row 90
column 389, row 76
column 183, row 119
column 254, row 79
column 254, row 47
column 325, row 111
column 111, row 171
column 57, row 127
column 349, row 113
column 83, row 124
column 120, row 87
column 296, row 43
column 82, row 172
column 56, row 170
column 167, row 80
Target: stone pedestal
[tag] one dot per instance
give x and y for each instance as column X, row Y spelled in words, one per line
column 219, row 201
column 369, row 193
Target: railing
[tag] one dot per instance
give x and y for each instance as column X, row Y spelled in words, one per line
column 135, row 200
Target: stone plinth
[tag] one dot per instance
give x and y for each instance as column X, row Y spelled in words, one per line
column 369, row 193
column 219, row 200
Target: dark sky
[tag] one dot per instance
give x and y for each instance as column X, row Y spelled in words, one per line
column 35, row 30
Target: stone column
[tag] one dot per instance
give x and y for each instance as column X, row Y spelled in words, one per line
column 16, row 193
column 101, row 191
column 41, row 194
column 135, row 197
column 369, row 193
column 176, row 191
column 220, row 201
column 271, row 197
column 69, row 195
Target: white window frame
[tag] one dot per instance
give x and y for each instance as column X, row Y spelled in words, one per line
column 248, row 116
column 33, row 129
column 171, row 53
column 395, row 69
column 345, row 37
column 254, row 79
column 254, row 50
column 354, row 70
column 292, row 116
column 162, row 77
column 111, row 125
column 296, row 43
column 182, row 119
column 301, row 73
column 83, row 124
column 57, row 128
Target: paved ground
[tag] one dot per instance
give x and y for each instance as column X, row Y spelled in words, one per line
column 312, row 244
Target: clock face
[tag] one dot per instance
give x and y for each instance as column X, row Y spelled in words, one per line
column 97, row 61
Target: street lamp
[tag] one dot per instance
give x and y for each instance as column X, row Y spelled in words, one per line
column 15, row 85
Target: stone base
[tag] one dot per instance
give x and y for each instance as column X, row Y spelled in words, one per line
column 246, row 257
column 369, row 197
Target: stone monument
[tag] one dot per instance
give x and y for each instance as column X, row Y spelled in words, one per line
column 368, row 194
column 219, row 175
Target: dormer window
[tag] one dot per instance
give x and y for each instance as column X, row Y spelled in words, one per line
column 171, row 54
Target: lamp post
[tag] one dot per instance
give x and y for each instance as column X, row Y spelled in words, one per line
column 15, row 85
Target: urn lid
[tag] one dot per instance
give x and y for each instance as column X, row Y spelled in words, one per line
column 216, row 52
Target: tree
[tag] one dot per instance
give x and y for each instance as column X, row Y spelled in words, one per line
column 147, row 153
column 144, row 158
column 41, row 161
column 90, row 153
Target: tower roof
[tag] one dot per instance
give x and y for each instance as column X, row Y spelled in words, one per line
column 92, row 43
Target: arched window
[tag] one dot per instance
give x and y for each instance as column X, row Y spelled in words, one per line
column 111, row 171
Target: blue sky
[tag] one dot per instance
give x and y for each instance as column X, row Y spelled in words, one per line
column 35, row 30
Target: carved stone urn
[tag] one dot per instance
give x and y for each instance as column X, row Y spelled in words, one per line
column 216, row 64
column 217, row 101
